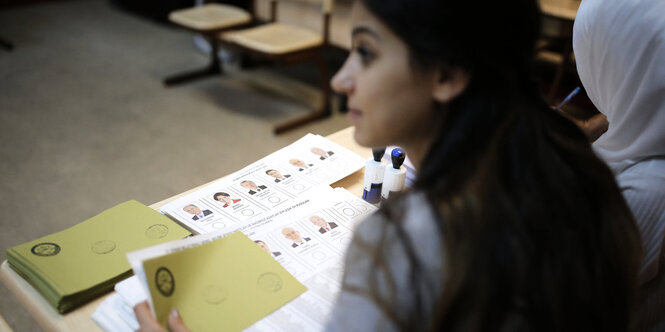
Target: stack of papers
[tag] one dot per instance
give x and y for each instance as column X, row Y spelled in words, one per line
column 116, row 312
column 76, row 265
column 308, row 237
column 285, row 205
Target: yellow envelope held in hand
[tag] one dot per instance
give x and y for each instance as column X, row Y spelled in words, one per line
column 224, row 285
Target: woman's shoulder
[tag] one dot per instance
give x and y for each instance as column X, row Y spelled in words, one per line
column 411, row 210
column 380, row 260
column 411, row 217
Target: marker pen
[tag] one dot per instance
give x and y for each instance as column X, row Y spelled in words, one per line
column 568, row 98
column 374, row 169
column 395, row 176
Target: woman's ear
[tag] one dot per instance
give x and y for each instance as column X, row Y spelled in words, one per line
column 449, row 84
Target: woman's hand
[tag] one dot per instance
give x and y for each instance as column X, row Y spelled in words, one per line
column 593, row 127
column 148, row 323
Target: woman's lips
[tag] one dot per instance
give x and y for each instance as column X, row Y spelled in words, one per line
column 354, row 114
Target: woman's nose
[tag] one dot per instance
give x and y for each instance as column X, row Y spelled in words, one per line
column 342, row 82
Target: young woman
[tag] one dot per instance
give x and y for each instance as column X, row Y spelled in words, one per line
column 622, row 67
column 513, row 224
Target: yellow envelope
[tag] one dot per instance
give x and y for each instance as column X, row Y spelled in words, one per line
column 224, row 285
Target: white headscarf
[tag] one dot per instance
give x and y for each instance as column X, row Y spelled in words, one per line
column 620, row 52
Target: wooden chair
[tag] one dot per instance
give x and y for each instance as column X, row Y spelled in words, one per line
column 207, row 20
column 286, row 44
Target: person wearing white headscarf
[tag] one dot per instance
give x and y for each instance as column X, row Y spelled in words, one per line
column 619, row 48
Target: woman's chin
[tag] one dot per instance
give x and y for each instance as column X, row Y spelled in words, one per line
column 361, row 137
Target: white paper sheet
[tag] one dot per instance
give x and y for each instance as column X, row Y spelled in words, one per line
column 269, row 193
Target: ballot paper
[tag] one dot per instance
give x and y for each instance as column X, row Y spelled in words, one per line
column 264, row 186
column 75, row 265
column 308, row 237
column 116, row 312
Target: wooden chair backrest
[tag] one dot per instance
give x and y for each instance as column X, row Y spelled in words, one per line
column 326, row 5
column 326, row 11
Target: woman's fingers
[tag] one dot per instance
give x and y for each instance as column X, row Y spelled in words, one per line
column 175, row 322
column 147, row 322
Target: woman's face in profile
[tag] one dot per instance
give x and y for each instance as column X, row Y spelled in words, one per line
column 389, row 102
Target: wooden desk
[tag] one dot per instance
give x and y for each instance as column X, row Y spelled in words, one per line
column 79, row 319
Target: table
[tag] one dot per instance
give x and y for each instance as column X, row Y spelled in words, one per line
column 79, row 319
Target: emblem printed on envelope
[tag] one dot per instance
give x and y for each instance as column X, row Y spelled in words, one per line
column 45, row 249
column 164, row 281
column 103, row 247
column 156, row 231
column 269, row 282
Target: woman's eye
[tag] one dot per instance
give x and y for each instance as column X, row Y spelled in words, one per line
column 365, row 54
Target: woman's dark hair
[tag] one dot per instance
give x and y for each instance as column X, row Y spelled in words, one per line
column 536, row 234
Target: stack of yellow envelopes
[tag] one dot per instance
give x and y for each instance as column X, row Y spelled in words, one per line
column 78, row 264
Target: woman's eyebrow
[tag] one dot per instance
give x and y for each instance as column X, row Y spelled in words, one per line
column 364, row 30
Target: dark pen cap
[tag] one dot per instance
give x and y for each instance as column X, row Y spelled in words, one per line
column 397, row 156
column 378, row 153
